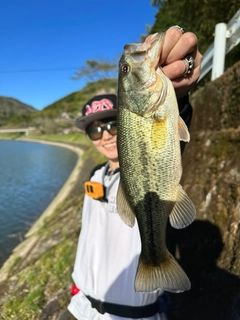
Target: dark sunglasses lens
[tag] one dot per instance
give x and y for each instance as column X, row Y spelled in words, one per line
column 97, row 132
column 113, row 130
column 94, row 133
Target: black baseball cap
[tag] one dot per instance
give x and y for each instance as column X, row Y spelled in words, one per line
column 99, row 107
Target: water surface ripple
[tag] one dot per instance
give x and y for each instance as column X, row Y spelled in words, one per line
column 31, row 174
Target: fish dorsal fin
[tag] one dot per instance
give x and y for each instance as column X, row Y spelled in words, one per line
column 123, row 208
column 183, row 212
column 183, row 130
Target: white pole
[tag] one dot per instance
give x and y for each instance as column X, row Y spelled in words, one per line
column 219, row 50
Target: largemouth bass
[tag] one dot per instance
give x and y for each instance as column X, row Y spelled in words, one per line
column 148, row 140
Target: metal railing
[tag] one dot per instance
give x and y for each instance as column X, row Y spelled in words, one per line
column 227, row 36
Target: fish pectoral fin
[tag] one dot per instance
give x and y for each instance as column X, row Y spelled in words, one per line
column 183, row 130
column 123, row 208
column 168, row 276
column 183, row 212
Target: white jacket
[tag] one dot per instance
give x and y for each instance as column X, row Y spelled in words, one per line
column 107, row 258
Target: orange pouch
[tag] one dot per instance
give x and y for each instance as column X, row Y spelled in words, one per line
column 94, row 190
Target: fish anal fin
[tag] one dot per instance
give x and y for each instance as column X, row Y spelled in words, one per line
column 123, row 208
column 183, row 130
column 168, row 276
column 183, row 212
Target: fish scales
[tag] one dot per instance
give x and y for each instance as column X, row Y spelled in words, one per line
column 149, row 134
column 148, row 176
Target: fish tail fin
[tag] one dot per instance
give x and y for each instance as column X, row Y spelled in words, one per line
column 168, row 275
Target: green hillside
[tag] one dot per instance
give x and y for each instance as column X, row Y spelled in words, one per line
column 60, row 115
column 73, row 103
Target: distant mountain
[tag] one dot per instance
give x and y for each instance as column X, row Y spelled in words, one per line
column 10, row 107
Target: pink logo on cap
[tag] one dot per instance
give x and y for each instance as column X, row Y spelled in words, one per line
column 98, row 106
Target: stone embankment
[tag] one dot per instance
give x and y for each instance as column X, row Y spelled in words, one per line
column 209, row 248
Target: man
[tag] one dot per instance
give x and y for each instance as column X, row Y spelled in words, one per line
column 108, row 250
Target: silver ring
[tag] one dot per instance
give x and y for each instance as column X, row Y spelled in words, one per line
column 189, row 63
column 180, row 28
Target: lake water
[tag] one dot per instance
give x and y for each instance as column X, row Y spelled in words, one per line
column 31, row 174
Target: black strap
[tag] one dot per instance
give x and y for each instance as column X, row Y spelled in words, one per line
column 127, row 311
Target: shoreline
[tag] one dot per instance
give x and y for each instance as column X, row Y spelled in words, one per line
column 30, row 238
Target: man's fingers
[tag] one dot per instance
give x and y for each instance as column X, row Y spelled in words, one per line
column 172, row 36
column 183, row 85
column 178, row 47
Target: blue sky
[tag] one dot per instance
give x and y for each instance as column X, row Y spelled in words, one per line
column 44, row 41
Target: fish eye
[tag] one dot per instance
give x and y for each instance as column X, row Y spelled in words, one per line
column 125, row 68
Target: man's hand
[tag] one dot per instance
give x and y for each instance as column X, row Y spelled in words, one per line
column 176, row 46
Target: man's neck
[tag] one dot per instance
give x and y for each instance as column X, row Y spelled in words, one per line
column 113, row 164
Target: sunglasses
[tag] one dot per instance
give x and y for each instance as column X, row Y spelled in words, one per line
column 96, row 133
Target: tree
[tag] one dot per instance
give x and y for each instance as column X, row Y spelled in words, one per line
column 198, row 16
column 158, row 3
column 94, row 70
